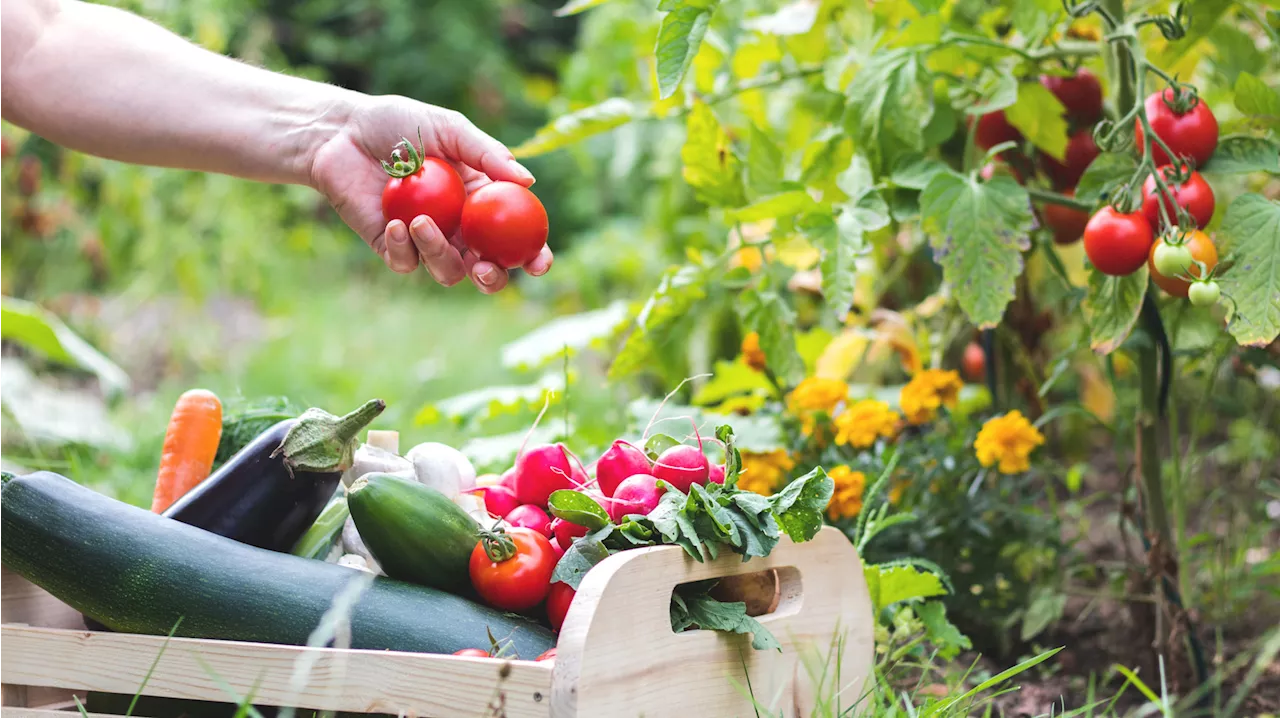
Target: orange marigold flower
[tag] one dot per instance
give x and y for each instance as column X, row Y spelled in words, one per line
column 764, row 472
column 846, row 501
column 1009, row 440
column 927, row 391
column 864, row 421
column 818, row 394
column 752, row 354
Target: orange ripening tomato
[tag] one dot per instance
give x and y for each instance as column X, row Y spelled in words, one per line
column 1202, row 250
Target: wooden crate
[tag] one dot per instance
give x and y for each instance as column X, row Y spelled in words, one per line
column 617, row 656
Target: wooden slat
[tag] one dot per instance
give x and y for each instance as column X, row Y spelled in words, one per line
column 71, row 712
column 360, row 681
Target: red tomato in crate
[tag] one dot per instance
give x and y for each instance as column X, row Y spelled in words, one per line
column 519, row 581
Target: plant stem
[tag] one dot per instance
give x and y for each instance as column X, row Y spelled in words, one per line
column 1042, row 195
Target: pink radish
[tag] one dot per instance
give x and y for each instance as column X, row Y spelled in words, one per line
column 621, row 461
column 717, row 474
column 540, row 471
column 565, row 532
column 682, row 466
column 509, row 478
column 499, row 500
column 530, row 517
column 637, row 494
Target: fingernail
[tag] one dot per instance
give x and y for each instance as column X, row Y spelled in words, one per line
column 521, row 172
column 487, row 276
column 398, row 234
column 419, row 225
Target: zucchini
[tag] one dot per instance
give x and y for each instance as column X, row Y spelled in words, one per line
column 415, row 533
column 137, row 572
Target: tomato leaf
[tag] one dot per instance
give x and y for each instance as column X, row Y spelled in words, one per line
column 679, row 38
column 573, row 7
column 697, row 608
column 1038, row 114
column 1111, row 308
column 916, row 171
column 679, row 292
column 1258, row 100
column 773, row 319
column 785, row 204
column 578, row 508
column 583, row 554
column 978, row 232
column 890, row 103
column 800, row 505
column 710, row 165
column 1243, row 154
column 1251, row 236
column 578, row 125
column 1104, row 175
column 840, row 244
column 765, row 165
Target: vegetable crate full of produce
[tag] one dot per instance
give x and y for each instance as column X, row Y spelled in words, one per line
column 616, row 654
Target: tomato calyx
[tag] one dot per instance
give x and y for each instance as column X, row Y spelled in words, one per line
column 1182, row 99
column 406, row 159
column 498, row 545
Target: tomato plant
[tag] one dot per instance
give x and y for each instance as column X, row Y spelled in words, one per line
column 1184, row 123
column 1081, row 151
column 1195, row 247
column 974, row 362
column 512, row 570
column 1066, row 223
column 1080, row 93
column 1117, row 243
column 1190, row 191
column 504, row 223
column 994, row 129
column 421, row 185
column 1205, row 294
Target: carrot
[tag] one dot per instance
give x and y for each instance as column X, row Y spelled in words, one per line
column 190, row 445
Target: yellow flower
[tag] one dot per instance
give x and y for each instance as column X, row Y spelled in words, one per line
column 846, row 502
column 1008, row 439
column 752, row 354
column 864, row 421
column 763, row 472
column 817, row 394
column 928, row 390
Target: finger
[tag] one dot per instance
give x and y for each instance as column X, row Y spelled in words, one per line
column 540, row 264
column 470, row 145
column 487, row 276
column 399, row 252
column 442, row 260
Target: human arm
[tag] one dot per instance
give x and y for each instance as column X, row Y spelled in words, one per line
column 109, row 83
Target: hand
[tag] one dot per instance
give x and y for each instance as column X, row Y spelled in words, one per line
column 346, row 169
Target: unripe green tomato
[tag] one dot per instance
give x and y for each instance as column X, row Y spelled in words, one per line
column 1172, row 260
column 1204, row 294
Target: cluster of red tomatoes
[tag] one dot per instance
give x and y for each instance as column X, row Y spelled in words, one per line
column 1118, row 243
column 500, row 222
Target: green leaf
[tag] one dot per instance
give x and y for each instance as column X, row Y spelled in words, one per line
column 772, row 318
column 784, row 204
column 978, row 232
column 679, row 38
column 857, row 179
column 890, row 102
column 1047, row 605
column 891, row 583
column 999, row 90
column 710, row 165
column 659, row 443
column 1111, row 308
column 940, row 631
column 800, row 504
column 1038, row 114
column 582, row 556
column 573, row 7
column 796, row 18
column 573, row 332
column 732, row 457
column 678, row 294
column 1104, row 175
column 1250, row 234
column 1034, row 18
column 840, row 245
column 1258, row 100
column 490, row 401
column 578, row 508
column 577, row 126
column 707, row 613
column 725, row 530
column 1244, row 154
column 43, row 333
column 916, row 171
column 730, row 379
column 765, row 166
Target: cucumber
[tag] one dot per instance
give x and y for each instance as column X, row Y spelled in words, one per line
column 135, row 571
column 416, row 533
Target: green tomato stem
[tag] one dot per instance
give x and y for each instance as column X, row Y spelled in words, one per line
column 1047, row 197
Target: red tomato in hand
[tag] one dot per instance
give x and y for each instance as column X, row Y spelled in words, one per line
column 504, row 223
column 1195, row 195
column 1192, row 135
column 974, row 362
column 520, row 581
column 423, row 185
column 1117, row 244
column 476, row 652
column 994, row 129
column 1080, row 94
column 1202, row 250
column 1067, row 223
column 1081, row 151
column 558, row 600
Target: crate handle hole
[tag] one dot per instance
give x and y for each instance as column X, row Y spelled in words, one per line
column 765, row 593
